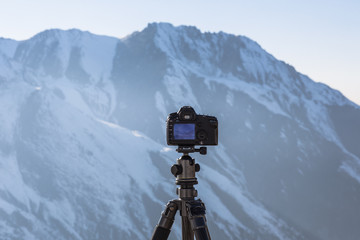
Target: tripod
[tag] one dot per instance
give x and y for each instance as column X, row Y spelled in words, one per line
column 192, row 210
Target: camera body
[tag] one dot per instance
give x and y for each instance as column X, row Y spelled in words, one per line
column 186, row 128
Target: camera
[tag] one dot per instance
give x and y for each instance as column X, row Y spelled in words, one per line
column 186, row 128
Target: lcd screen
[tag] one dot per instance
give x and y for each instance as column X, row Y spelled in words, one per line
column 184, row 131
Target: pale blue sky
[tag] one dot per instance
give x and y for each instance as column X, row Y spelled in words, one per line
column 319, row 38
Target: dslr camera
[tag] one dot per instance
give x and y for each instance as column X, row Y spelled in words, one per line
column 186, row 128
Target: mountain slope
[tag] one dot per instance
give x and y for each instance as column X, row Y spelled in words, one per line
column 83, row 151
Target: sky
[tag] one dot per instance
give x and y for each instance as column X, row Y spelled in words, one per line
column 320, row 38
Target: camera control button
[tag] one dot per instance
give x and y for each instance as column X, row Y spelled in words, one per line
column 197, row 167
column 201, row 135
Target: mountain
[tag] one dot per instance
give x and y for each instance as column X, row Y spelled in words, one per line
column 82, row 138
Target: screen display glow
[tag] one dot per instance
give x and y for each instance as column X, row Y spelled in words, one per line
column 184, row 131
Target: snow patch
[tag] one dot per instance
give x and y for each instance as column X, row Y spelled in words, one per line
column 166, row 149
column 230, row 98
column 160, row 104
column 248, row 124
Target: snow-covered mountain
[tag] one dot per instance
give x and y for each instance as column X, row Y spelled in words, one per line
column 82, row 138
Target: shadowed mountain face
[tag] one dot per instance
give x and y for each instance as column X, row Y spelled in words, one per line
column 82, row 138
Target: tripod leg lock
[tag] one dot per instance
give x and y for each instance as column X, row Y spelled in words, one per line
column 163, row 228
column 196, row 215
column 168, row 215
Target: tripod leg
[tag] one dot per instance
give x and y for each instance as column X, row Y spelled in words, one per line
column 163, row 228
column 196, row 214
column 187, row 233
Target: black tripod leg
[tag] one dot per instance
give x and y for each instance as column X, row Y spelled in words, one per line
column 196, row 214
column 187, row 233
column 163, row 228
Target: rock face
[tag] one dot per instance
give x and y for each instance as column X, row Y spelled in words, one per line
column 82, row 138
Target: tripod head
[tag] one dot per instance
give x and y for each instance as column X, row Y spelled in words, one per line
column 185, row 169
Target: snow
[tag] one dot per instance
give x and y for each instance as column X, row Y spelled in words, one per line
column 353, row 171
column 248, row 124
column 230, row 98
column 283, row 135
column 166, row 149
column 279, row 77
column 253, row 209
column 10, row 104
column 73, row 96
column 180, row 91
column 212, row 202
column 97, row 61
column 102, row 99
column 160, row 105
column 92, row 162
column 8, row 47
column 261, row 94
column 11, row 183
